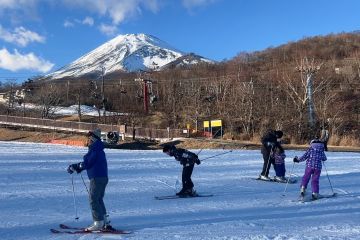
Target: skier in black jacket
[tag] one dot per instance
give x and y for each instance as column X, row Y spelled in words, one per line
column 187, row 159
column 269, row 141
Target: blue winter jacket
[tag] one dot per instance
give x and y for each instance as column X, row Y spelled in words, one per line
column 315, row 155
column 95, row 160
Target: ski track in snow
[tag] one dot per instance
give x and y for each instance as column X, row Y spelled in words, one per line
column 36, row 195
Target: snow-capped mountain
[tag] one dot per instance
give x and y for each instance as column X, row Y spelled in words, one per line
column 127, row 53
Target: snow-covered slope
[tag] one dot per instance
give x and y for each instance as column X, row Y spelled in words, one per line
column 36, row 195
column 128, row 53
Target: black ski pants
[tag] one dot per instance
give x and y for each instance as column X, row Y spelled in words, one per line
column 186, row 176
column 268, row 161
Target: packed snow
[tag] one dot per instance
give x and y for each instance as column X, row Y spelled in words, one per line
column 36, row 195
column 71, row 110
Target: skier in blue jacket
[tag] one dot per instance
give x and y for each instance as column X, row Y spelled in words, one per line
column 95, row 165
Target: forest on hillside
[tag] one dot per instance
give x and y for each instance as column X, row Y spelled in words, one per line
column 249, row 93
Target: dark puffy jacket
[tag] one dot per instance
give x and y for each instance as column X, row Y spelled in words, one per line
column 95, row 160
column 185, row 157
column 269, row 141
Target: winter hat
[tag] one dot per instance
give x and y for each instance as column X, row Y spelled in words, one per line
column 95, row 134
column 279, row 134
column 168, row 148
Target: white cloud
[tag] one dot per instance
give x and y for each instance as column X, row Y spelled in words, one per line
column 117, row 10
column 20, row 36
column 109, row 30
column 17, row 61
column 71, row 23
column 88, row 21
column 68, row 24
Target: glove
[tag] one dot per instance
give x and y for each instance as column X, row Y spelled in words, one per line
column 76, row 167
column 197, row 161
column 296, row 159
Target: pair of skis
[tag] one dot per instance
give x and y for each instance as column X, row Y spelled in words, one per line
column 177, row 197
column 304, row 199
column 291, row 180
column 65, row 229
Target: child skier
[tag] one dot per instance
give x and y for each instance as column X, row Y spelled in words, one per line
column 187, row 159
column 314, row 157
column 278, row 154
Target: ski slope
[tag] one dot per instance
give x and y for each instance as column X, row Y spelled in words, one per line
column 36, row 195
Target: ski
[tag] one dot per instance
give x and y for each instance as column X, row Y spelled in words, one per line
column 88, row 232
column 291, row 181
column 177, row 197
column 77, row 230
column 320, row 197
column 304, row 199
column 63, row 226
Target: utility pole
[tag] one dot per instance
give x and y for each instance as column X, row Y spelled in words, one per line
column 67, row 91
column 309, row 69
column 145, row 87
column 103, row 92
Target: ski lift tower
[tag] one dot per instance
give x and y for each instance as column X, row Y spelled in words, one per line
column 146, row 85
column 309, row 70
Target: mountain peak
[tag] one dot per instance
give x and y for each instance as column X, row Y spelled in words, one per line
column 127, row 53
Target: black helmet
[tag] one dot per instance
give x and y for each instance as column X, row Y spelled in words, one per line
column 279, row 134
column 168, row 148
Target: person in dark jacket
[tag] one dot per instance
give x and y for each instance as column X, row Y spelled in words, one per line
column 95, row 164
column 188, row 160
column 269, row 141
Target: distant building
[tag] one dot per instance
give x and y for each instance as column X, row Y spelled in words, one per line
column 3, row 97
column 16, row 96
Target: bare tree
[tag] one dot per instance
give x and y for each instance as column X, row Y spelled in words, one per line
column 49, row 98
column 96, row 96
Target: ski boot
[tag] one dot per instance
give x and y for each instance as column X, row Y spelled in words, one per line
column 265, row 178
column 107, row 227
column 181, row 192
column 302, row 191
column 314, row 196
column 188, row 193
column 192, row 193
column 96, row 226
column 280, row 179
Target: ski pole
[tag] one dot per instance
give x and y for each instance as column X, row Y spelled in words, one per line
column 166, row 184
column 216, row 155
column 328, row 178
column 73, row 190
column 199, row 151
column 84, row 184
column 287, row 183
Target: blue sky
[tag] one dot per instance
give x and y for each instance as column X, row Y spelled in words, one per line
column 40, row 36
